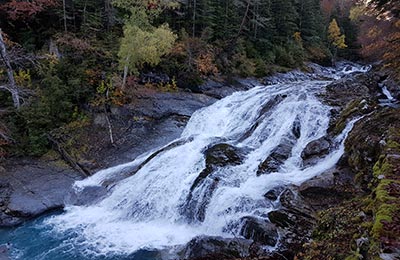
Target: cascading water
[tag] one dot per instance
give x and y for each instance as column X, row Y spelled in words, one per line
column 159, row 201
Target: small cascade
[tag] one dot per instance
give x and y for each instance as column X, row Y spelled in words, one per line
column 389, row 101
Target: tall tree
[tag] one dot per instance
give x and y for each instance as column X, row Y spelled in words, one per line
column 336, row 38
column 11, row 86
column 142, row 43
column 285, row 17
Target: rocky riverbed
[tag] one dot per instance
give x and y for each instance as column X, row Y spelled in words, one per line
column 368, row 171
column 32, row 186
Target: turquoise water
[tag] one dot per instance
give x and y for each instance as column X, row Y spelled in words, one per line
column 36, row 241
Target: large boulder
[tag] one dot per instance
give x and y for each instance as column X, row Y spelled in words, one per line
column 260, row 231
column 278, row 156
column 329, row 188
column 353, row 86
column 30, row 187
column 316, row 149
column 208, row 248
column 219, row 155
column 294, row 219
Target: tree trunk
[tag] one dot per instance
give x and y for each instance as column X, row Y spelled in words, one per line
column 245, row 16
column 65, row 16
column 194, row 18
column 109, row 10
column 125, row 73
column 108, row 119
column 11, row 87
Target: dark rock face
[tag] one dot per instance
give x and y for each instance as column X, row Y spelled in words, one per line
column 260, row 231
column 330, row 188
column 315, row 150
column 219, row 155
column 160, row 104
column 274, row 161
column 29, row 188
column 219, row 90
column 317, row 147
column 364, row 143
column 215, row 248
column 274, row 193
column 295, row 220
column 88, row 195
column 353, row 86
column 222, row 155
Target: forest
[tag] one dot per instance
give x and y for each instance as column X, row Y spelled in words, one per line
column 200, row 129
column 62, row 58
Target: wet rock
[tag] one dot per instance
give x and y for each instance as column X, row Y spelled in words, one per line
column 274, row 193
column 88, row 195
column 296, row 129
column 329, row 188
column 295, row 220
column 317, row 147
column 260, row 231
column 294, row 202
column 281, row 218
column 392, row 87
column 222, row 155
column 163, row 104
column 215, row 248
column 30, row 188
column 363, row 145
column 277, row 157
column 219, row 155
column 222, row 89
column 318, row 185
column 355, row 86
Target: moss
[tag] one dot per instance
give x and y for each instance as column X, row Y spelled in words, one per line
column 339, row 227
column 391, row 144
column 350, row 109
column 355, row 256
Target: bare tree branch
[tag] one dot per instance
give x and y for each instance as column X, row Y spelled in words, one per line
column 12, row 88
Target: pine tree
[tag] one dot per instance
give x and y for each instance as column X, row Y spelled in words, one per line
column 285, row 17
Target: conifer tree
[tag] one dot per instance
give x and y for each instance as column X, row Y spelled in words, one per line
column 285, row 17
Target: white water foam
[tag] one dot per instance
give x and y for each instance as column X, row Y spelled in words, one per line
column 147, row 209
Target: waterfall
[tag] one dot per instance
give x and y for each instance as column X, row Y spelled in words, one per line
column 168, row 196
column 387, row 93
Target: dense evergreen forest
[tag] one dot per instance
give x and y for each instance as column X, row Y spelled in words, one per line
column 61, row 59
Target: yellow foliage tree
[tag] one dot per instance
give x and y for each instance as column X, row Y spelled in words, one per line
column 142, row 43
column 335, row 36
